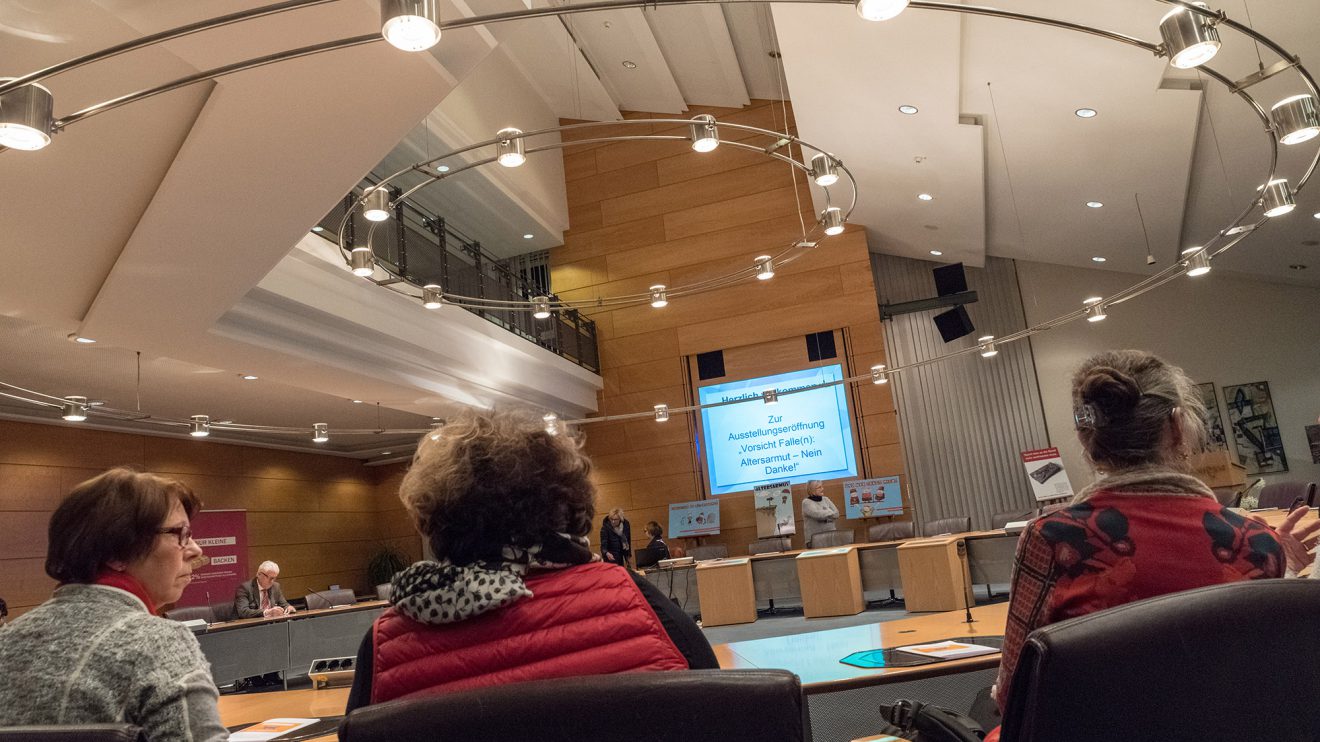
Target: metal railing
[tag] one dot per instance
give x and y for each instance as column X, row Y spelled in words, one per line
column 427, row 250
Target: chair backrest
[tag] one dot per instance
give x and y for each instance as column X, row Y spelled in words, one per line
column 999, row 520
column 1175, row 667
column 188, row 613
column 766, row 545
column 893, row 531
column 714, row 551
column 74, row 733
column 330, row 598
column 1283, row 494
column 957, row 524
column 826, row 539
column 224, row 611
column 729, row 705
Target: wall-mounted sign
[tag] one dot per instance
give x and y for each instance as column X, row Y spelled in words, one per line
column 1049, row 480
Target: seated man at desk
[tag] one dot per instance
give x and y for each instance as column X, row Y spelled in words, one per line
column 261, row 596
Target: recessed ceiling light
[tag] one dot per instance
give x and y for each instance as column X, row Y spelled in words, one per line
column 1098, row 259
column 357, row 401
column 527, row 237
column 247, row 377
column 442, row 168
column 1294, row 266
column 1316, row 215
column 1094, row 204
column 1085, row 113
column 75, row 337
column 925, row 197
column 629, row 64
column 386, row 453
column 936, row 253
column 909, row 110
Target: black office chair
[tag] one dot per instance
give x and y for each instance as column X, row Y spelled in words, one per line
column 892, row 531
column 1283, row 494
column 770, row 545
column 826, row 539
column 728, row 705
column 1193, row 665
column 330, row 598
column 1001, row 519
column 703, row 553
column 73, row 733
column 204, row 612
column 956, row 524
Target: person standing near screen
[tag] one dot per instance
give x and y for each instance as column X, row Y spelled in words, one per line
column 616, row 538
column 818, row 512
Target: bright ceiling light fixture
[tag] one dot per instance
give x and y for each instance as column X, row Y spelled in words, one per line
column 75, row 409
column 551, row 421
column 1295, row 119
column 925, row 197
column 1198, row 264
column 200, row 427
column 824, row 170
column 880, row 10
column 528, row 236
column 1278, row 198
column 658, row 297
column 1096, row 313
column 909, row 110
column 765, row 267
column 1094, row 204
column 320, row 432
column 1092, row 300
column 248, row 377
column 410, row 25
column 661, row 413
column 509, row 151
column 27, row 118
column 770, row 396
column 432, row 296
column 361, row 261
column 1085, row 113
column 832, row 219
column 988, row 349
column 936, row 253
column 879, row 375
column 541, row 307
column 376, row 205
column 1190, row 39
column 1098, row 259
column 75, row 337
column 703, row 133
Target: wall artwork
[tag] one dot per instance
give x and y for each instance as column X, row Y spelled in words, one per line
column 1216, row 439
column 1313, row 440
column 1255, row 428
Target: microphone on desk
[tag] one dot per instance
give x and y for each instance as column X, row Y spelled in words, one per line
column 965, row 587
column 323, row 595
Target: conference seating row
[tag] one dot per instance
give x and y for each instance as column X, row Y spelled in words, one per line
column 217, row 613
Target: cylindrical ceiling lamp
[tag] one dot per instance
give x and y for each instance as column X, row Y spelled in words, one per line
column 704, row 134
column 1096, row 313
column 410, row 25
column 75, row 409
column 770, row 396
column 765, row 267
column 320, row 432
column 362, row 262
column 661, row 413
column 1198, row 264
column 824, row 170
column 832, row 218
column 658, row 296
column 376, row 205
column 1278, row 198
column 509, row 151
column 1295, row 119
column 988, row 349
column 880, row 10
column 27, row 117
column 541, row 307
column 879, row 375
column 200, row 427
column 432, row 297
column 551, row 421
column 1189, row 38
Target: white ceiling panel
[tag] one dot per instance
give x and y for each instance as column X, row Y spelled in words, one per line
column 752, row 29
column 612, row 37
column 695, row 41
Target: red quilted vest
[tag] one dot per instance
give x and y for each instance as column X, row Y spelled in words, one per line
column 586, row 620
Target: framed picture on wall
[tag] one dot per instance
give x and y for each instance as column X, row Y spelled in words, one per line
column 1216, row 439
column 1255, row 428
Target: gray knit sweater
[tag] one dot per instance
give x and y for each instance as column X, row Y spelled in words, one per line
column 93, row 654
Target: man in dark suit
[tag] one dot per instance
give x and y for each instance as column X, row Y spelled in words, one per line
column 261, row 596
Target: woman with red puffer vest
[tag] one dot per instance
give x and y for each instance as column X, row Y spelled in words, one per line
column 515, row 593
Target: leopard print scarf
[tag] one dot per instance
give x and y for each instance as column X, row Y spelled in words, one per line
column 445, row 593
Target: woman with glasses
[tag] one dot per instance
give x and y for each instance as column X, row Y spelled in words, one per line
column 121, row 547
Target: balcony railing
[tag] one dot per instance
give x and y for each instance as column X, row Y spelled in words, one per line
column 425, row 249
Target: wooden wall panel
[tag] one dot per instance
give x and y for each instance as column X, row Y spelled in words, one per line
column 656, row 212
column 320, row 517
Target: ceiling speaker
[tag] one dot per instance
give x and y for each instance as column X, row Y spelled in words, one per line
column 950, row 279
column 954, row 323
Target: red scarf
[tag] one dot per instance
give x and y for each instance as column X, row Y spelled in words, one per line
column 129, row 584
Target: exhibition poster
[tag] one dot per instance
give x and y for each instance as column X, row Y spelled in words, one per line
column 774, row 510
column 222, row 534
column 873, row 498
column 1049, row 481
column 696, row 518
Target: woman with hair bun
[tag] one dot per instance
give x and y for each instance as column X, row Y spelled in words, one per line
column 1146, row 526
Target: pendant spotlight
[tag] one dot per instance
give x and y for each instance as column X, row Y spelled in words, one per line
column 26, row 117
column 703, row 133
column 879, row 375
column 661, row 413
column 880, row 10
column 1295, row 119
column 988, row 349
column 658, row 298
column 509, row 151
column 1190, row 39
column 320, row 432
column 765, row 267
column 551, row 421
column 770, row 396
column 832, row 218
column 432, row 297
column 1198, row 264
column 824, row 170
column 410, row 25
column 1278, row 198
column 376, row 206
column 200, row 427
column 541, row 307
column 75, row 409
column 362, row 262
column 1096, row 313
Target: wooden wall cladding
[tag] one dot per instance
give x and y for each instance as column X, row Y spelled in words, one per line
column 656, row 212
column 319, row 517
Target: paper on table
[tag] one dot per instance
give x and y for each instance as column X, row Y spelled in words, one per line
column 270, row 729
column 948, row 650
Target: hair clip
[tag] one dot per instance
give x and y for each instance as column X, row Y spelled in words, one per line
column 1085, row 415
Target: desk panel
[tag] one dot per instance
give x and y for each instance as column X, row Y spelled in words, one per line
column 329, row 634
column 242, row 653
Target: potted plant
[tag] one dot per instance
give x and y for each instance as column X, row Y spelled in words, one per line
column 381, row 568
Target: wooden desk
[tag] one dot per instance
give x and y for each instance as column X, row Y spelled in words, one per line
column 815, row 656
column 935, row 575
column 727, row 594
column 288, row 644
column 250, row 708
column 831, row 581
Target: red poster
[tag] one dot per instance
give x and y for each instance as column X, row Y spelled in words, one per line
column 222, row 534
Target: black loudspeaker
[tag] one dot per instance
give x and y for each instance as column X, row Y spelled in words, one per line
column 710, row 365
column 950, row 279
column 954, row 324
column 820, row 346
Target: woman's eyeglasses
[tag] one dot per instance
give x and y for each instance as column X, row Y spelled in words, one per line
column 183, row 533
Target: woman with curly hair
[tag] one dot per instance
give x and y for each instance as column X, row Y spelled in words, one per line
column 515, row 592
